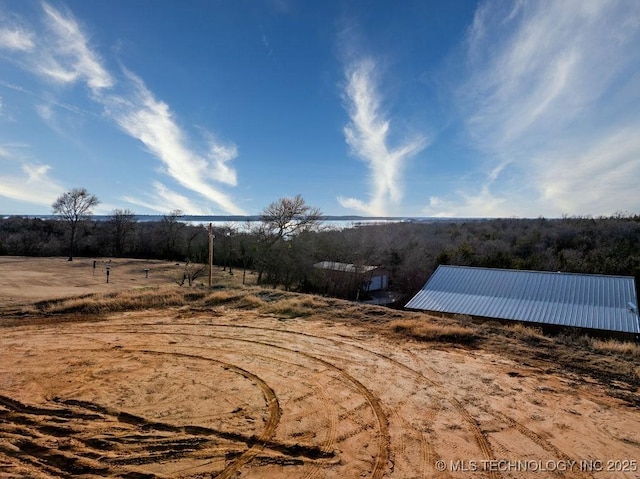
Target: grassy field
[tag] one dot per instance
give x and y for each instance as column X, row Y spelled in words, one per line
column 141, row 377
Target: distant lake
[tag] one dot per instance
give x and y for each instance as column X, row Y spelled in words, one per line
column 241, row 222
column 331, row 223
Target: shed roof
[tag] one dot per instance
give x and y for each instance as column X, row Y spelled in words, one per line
column 564, row 299
column 344, row 267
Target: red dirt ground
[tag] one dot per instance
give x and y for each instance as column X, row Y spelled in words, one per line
column 240, row 393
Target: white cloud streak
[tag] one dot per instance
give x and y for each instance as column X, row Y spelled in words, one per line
column 143, row 117
column 605, row 172
column 553, row 103
column 220, row 155
column 368, row 136
column 69, row 57
column 164, row 200
column 62, row 54
column 16, row 39
column 34, row 185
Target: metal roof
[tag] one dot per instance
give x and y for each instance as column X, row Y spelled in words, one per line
column 344, row 267
column 565, row 299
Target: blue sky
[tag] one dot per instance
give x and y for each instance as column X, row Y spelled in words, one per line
column 380, row 108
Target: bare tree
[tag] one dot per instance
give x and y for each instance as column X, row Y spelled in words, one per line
column 172, row 227
column 192, row 234
column 123, row 224
column 281, row 222
column 192, row 271
column 226, row 234
column 287, row 216
column 246, row 250
column 73, row 207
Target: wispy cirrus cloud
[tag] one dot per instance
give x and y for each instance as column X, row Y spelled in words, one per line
column 60, row 51
column 219, row 155
column 367, row 135
column 142, row 116
column 34, row 184
column 16, row 39
column 603, row 173
column 552, row 102
column 62, row 54
column 29, row 181
column 165, row 200
column 68, row 57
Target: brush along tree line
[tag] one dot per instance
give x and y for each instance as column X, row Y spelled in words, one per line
column 282, row 248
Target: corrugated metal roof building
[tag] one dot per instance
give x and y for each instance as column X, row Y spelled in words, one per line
column 606, row 303
column 373, row 278
column 344, row 267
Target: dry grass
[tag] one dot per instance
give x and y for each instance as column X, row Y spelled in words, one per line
column 111, row 302
column 223, row 296
column 299, row 306
column 241, row 298
column 528, row 334
column 614, row 346
column 251, row 301
column 288, row 305
column 423, row 330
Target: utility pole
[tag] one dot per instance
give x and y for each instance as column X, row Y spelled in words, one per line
column 210, row 252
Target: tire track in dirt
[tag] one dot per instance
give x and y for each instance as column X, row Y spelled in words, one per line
column 28, row 431
column 144, row 443
column 331, row 434
column 255, row 444
column 427, row 450
column 324, row 451
column 198, row 432
column 544, row 444
column 381, row 459
column 382, row 456
column 326, row 446
column 316, row 390
column 272, row 404
column 525, row 431
column 480, row 438
column 429, row 456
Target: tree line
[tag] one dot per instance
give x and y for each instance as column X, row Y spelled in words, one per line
column 290, row 238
